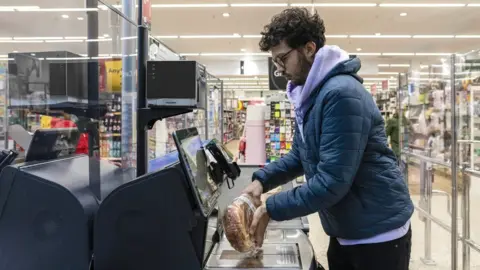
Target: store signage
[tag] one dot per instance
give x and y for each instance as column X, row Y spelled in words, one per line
column 113, row 75
column 275, row 80
column 45, row 121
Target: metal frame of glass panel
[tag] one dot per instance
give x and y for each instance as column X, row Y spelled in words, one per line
column 461, row 171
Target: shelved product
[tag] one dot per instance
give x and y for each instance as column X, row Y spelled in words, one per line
column 111, row 128
column 214, row 111
column 228, row 125
column 386, row 101
column 467, row 78
column 279, row 128
column 427, row 110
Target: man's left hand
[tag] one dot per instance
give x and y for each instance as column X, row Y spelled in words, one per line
column 259, row 225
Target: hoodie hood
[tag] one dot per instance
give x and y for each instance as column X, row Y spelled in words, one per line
column 329, row 61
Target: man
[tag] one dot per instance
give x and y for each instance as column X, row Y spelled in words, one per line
column 353, row 180
column 393, row 131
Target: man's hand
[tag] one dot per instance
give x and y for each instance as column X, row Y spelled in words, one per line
column 259, row 225
column 255, row 190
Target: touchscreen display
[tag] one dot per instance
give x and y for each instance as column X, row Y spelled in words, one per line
column 196, row 162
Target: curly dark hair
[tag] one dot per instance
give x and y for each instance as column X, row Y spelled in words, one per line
column 296, row 26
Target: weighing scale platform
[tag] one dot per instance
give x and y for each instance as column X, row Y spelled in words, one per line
column 282, row 249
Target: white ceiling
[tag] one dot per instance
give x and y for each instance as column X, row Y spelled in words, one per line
column 343, row 23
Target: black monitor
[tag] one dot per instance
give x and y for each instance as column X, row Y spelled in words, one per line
column 48, row 144
column 195, row 162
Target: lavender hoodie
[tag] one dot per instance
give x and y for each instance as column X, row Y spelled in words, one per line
column 325, row 60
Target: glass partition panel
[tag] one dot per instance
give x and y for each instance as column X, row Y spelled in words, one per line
column 467, row 85
column 70, row 68
column 426, row 137
column 215, row 108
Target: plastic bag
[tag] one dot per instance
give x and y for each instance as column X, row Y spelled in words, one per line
column 237, row 220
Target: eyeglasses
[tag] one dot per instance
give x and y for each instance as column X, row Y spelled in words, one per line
column 279, row 61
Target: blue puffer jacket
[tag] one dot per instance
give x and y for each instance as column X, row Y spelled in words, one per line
column 353, row 180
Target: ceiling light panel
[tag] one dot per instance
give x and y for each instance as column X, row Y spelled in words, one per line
column 21, row 41
column 167, row 37
column 375, row 36
column 336, row 36
column 393, row 65
column 433, row 54
column 375, row 79
column 380, row 36
column 235, row 54
column 433, row 36
column 398, row 54
column 58, row 9
column 422, row 5
column 36, row 38
column 211, row 36
column 260, row 5
column 367, row 54
column 75, row 37
column 189, row 5
column 467, row 36
column 333, row 4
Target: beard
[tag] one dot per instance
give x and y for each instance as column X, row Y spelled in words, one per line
column 304, row 66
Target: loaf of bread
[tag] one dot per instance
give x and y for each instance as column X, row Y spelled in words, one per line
column 237, row 220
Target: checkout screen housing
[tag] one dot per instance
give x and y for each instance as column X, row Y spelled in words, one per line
column 197, row 163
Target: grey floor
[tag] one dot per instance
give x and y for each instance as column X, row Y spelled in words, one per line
column 441, row 251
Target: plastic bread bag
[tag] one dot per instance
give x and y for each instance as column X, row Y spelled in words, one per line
column 236, row 221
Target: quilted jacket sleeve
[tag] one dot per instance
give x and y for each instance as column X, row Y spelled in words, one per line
column 282, row 171
column 345, row 126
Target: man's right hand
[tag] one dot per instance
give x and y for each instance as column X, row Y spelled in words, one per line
column 255, row 190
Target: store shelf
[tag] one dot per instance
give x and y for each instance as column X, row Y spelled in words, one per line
column 279, row 129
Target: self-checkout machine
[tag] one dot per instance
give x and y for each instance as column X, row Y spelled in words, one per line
column 161, row 220
column 48, row 202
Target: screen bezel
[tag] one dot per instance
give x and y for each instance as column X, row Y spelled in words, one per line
column 42, row 146
column 226, row 153
column 178, row 137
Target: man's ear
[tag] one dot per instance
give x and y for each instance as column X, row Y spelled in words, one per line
column 310, row 49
